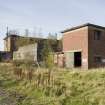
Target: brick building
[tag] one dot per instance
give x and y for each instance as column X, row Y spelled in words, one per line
column 84, row 46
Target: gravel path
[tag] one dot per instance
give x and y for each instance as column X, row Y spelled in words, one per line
column 6, row 98
column 10, row 98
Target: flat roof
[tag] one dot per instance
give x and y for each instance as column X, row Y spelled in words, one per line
column 12, row 35
column 35, row 38
column 80, row 26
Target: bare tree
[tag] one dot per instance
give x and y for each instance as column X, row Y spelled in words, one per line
column 52, row 36
column 40, row 32
column 26, row 32
column 13, row 32
column 34, row 32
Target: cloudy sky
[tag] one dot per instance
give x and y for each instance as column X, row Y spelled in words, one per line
column 49, row 15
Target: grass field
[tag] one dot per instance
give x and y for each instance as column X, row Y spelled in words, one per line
column 65, row 87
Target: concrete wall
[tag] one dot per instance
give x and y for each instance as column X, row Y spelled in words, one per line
column 10, row 43
column 76, row 40
column 28, row 52
column 7, row 44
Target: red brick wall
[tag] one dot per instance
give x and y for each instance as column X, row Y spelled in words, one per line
column 77, row 40
column 96, row 47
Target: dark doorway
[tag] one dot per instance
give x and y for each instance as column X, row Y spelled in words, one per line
column 77, row 59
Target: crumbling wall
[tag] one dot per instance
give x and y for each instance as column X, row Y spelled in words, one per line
column 27, row 52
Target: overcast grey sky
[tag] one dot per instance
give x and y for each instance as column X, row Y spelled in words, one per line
column 50, row 15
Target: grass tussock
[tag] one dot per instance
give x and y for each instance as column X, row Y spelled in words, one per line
column 55, row 87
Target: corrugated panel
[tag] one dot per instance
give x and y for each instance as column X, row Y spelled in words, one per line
column 69, row 59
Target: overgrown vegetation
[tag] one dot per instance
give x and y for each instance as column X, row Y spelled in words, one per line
column 47, row 55
column 32, row 86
